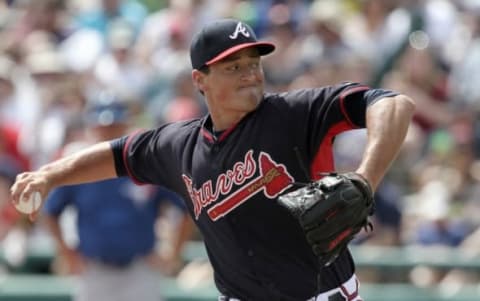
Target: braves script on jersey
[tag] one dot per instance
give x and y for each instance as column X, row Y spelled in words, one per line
column 272, row 179
column 256, row 248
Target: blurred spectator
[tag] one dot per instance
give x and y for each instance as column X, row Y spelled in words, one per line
column 34, row 15
column 9, row 145
column 6, row 87
column 116, row 256
column 388, row 215
column 377, row 30
column 9, row 121
column 164, row 40
column 99, row 17
column 14, row 229
column 464, row 77
column 417, row 71
column 163, row 48
column 9, row 217
column 282, row 31
column 118, row 69
column 436, row 227
column 326, row 41
column 179, row 104
column 60, row 98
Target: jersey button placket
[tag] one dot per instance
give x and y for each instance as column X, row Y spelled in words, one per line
column 214, row 160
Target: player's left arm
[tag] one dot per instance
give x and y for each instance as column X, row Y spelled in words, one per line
column 387, row 121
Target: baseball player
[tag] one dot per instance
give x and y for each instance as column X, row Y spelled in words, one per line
column 234, row 163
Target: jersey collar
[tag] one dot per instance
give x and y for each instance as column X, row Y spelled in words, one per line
column 207, row 126
column 207, row 131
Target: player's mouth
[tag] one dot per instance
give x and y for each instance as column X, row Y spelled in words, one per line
column 248, row 87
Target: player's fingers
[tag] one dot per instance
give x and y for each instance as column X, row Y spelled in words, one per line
column 13, row 196
column 27, row 192
column 17, row 188
column 26, row 184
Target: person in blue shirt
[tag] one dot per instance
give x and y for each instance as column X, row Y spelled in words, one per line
column 116, row 256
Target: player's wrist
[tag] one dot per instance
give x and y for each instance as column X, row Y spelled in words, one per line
column 368, row 179
column 362, row 181
column 49, row 178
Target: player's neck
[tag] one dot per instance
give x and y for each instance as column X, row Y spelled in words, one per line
column 224, row 120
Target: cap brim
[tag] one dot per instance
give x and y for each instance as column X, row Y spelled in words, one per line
column 264, row 48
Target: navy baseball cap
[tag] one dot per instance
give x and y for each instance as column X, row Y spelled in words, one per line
column 221, row 38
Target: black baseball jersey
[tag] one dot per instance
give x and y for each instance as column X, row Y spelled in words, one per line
column 257, row 249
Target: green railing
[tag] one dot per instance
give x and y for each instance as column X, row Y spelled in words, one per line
column 44, row 287
column 52, row 288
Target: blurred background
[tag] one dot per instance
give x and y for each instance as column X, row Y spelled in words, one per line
column 59, row 57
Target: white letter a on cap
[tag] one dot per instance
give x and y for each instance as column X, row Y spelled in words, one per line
column 239, row 29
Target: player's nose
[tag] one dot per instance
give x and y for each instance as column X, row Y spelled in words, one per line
column 250, row 74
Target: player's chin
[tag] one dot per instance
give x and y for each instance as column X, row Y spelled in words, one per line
column 251, row 103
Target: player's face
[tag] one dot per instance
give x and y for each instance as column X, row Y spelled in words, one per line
column 236, row 82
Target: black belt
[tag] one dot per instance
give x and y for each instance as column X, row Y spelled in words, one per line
column 334, row 297
column 225, row 298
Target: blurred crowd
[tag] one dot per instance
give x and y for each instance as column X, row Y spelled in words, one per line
column 60, row 57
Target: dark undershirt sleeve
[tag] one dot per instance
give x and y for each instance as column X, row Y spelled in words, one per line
column 117, row 149
column 355, row 109
column 374, row 95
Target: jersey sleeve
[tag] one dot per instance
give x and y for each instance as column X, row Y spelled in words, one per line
column 318, row 115
column 352, row 100
column 151, row 156
column 331, row 105
column 139, row 157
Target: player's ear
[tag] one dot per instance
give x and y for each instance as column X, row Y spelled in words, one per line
column 198, row 79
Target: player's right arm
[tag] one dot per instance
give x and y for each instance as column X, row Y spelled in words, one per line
column 92, row 164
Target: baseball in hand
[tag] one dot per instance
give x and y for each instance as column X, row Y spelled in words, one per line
column 30, row 205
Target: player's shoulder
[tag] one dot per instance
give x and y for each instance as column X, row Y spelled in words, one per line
column 183, row 125
column 314, row 93
column 289, row 99
column 170, row 131
column 179, row 127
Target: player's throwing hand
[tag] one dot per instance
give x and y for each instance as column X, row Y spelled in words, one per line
column 28, row 192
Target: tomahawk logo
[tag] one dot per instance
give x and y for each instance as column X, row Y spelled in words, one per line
column 273, row 179
column 240, row 29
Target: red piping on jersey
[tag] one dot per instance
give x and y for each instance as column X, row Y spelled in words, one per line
column 227, row 132
column 222, row 137
column 124, row 153
column 208, row 135
column 323, row 161
column 342, row 100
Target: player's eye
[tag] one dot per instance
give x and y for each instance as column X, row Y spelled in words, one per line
column 233, row 68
